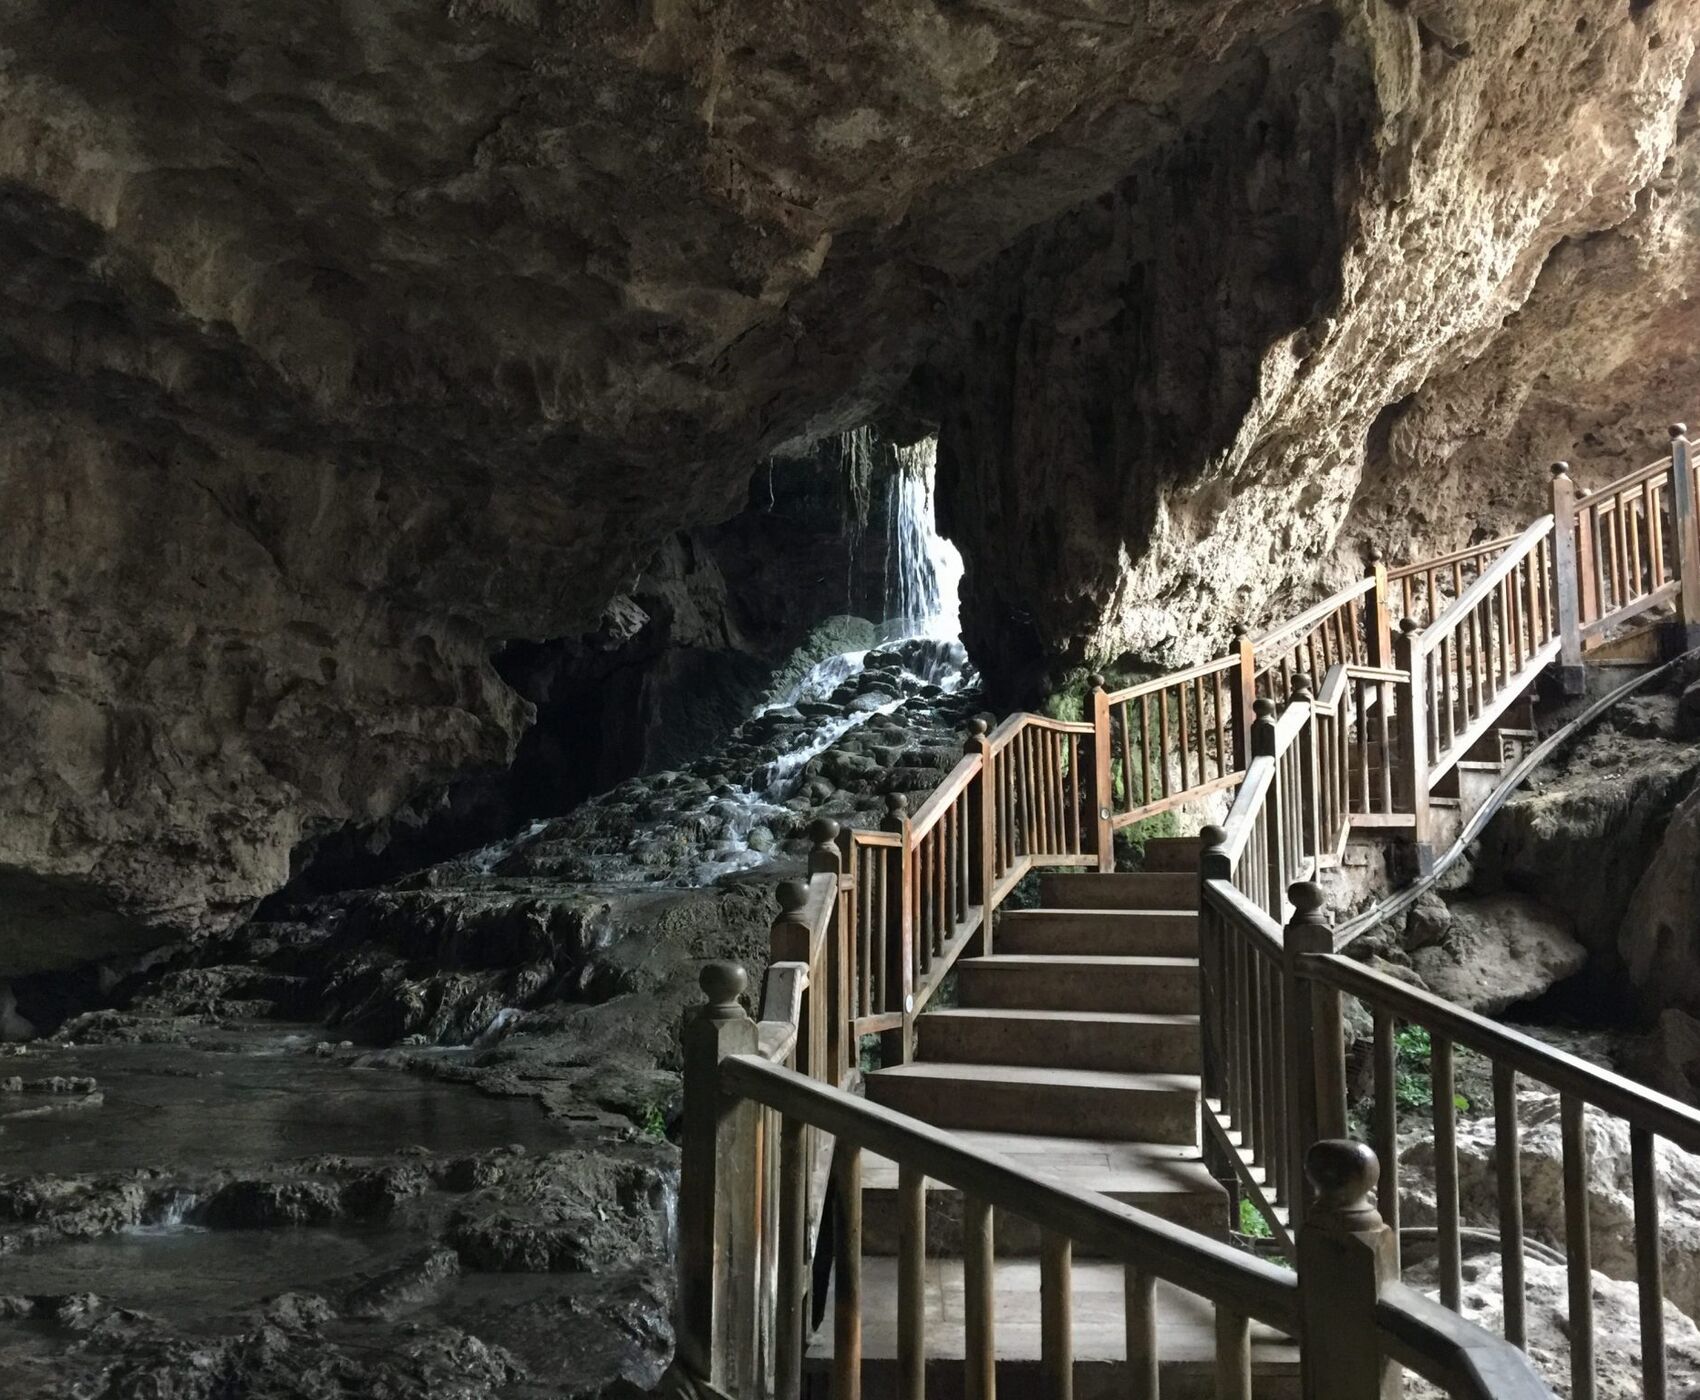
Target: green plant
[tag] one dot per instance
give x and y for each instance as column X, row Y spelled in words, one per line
column 1252, row 1222
column 652, row 1121
column 1413, row 1080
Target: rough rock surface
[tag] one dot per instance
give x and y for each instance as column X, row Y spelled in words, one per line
column 1497, row 951
column 1617, row 1326
column 1659, row 938
column 1611, row 1219
column 342, row 348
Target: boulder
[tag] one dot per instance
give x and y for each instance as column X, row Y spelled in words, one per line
column 1688, row 712
column 1611, row 1214
column 1498, row 951
column 1659, row 938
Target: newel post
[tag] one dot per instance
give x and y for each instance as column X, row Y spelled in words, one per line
column 1213, row 864
column 1413, row 736
column 826, row 857
column 1569, row 586
column 718, row 1239
column 1310, row 808
column 1346, row 1257
column 1103, row 786
column 1380, row 627
column 982, row 829
column 1274, row 848
column 1316, row 1036
column 1244, row 698
column 896, row 1047
column 1687, row 522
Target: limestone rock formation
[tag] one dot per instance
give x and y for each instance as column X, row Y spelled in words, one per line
column 1611, row 1219
column 1659, row 938
column 345, row 347
column 1498, row 951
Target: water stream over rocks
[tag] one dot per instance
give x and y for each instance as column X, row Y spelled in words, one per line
column 410, row 1141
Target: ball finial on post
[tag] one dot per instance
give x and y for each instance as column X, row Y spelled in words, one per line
column 1678, row 430
column 1301, row 687
column 1212, row 836
column 1264, row 709
column 1561, row 469
column 1096, row 680
column 1343, row 1174
column 793, row 895
column 723, row 983
column 1307, row 897
column 823, row 831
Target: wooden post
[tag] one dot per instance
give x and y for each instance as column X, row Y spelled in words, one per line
column 1686, row 521
column 825, row 858
column 1244, row 691
column 719, row 1242
column 1567, row 581
column 1346, row 1257
column 1103, row 788
column 1310, row 806
column 1213, row 864
column 1380, row 622
column 1413, row 737
column 897, row 1047
column 1316, row 1052
column 982, row 831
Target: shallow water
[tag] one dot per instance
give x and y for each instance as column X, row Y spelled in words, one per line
column 174, row 1106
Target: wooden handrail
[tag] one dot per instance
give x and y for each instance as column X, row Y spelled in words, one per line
column 1612, row 1093
column 1287, row 631
column 1457, row 556
column 1464, row 1360
column 1489, row 579
column 1263, row 930
column 1635, row 478
column 939, row 801
column 1204, row 668
column 1185, row 1257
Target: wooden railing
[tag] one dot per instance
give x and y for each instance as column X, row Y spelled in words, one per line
column 868, row 939
column 1580, row 1086
column 747, row 1235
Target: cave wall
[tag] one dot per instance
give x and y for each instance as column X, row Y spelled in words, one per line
column 1159, row 421
column 345, row 346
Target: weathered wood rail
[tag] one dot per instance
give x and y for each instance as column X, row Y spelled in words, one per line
column 1332, row 723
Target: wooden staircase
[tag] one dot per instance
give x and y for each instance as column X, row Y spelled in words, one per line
column 1074, row 1050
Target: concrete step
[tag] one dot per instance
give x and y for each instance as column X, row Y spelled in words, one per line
column 1166, row 986
column 1101, row 1104
column 1129, row 1043
column 1149, row 933
column 1172, row 854
column 1186, row 1337
column 1145, row 890
column 1167, row 1181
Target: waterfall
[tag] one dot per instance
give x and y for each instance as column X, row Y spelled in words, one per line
column 923, row 569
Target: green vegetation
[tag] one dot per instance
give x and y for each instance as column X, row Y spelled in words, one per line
column 1413, row 1084
column 652, row 1121
column 1252, row 1222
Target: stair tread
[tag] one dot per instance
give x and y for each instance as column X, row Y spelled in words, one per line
column 1085, row 915
column 1155, row 1082
column 1186, row 1331
column 1120, row 1168
column 1105, row 1018
column 1078, row 960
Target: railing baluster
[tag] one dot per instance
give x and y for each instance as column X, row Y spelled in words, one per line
column 1444, row 1103
column 1145, row 745
column 911, row 1283
column 1233, row 1355
column 1386, row 1126
column 1140, row 1299
column 979, row 1376
column 1508, row 1164
column 1056, row 1315
column 1649, row 1262
column 1578, row 1246
column 793, row 1243
column 1163, row 781
column 1128, row 772
column 847, row 1273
